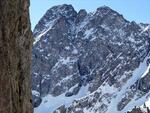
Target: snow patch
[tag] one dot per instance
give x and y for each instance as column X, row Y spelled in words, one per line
column 67, row 48
column 75, row 51
column 50, row 103
column 145, row 29
column 67, row 60
column 146, row 72
column 88, row 33
column 50, row 24
column 36, row 93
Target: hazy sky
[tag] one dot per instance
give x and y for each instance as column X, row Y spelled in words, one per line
column 137, row 10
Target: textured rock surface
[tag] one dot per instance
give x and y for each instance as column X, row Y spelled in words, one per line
column 15, row 57
column 140, row 110
column 36, row 100
column 100, row 50
column 136, row 110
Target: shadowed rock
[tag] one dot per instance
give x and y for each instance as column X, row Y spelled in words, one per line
column 15, row 57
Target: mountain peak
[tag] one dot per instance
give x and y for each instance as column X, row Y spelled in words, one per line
column 110, row 15
column 62, row 10
column 104, row 9
column 54, row 13
column 97, row 57
column 63, row 7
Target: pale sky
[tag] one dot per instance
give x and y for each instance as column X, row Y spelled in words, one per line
column 137, row 10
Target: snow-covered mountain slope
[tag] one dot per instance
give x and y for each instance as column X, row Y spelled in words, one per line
column 145, row 108
column 89, row 62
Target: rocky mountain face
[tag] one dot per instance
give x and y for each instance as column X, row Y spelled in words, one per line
column 145, row 108
column 15, row 57
column 138, row 110
column 94, row 62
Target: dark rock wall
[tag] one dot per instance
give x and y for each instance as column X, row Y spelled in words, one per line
column 15, row 57
column 136, row 110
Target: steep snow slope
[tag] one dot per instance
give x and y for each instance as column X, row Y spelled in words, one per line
column 137, row 73
column 50, row 103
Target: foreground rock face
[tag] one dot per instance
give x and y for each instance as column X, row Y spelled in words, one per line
column 15, row 57
column 100, row 51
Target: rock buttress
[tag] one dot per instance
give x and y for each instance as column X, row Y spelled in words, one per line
column 15, row 57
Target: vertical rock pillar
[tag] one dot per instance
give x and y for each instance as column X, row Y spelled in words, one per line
column 15, row 57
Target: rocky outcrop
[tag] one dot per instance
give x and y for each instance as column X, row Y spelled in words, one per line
column 36, row 100
column 140, row 110
column 15, row 57
column 136, row 110
column 144, row 84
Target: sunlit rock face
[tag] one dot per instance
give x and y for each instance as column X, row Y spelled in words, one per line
column 15, row 57
column 97, row 59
